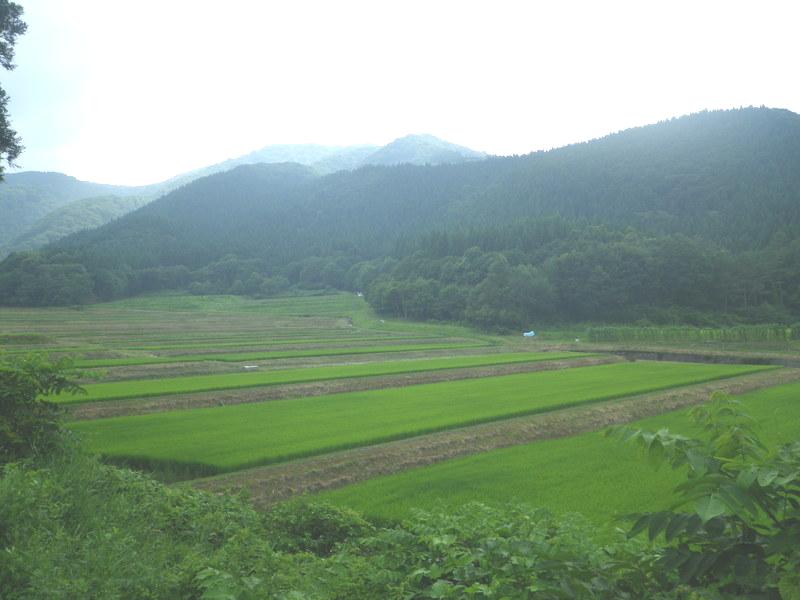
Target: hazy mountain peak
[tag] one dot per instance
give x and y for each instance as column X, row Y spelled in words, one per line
column 421, row 149
column 427, row 138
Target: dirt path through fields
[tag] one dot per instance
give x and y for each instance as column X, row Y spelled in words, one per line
column 268, row 485
column 140, row 406
column 678, row 354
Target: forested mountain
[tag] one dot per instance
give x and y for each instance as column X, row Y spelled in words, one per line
column 31, row 203
column 77, row 215
column 411, row 149
column 27, row 197
column 689, row 219
column 323, row 159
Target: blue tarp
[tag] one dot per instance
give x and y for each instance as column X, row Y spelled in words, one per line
column 530, row 333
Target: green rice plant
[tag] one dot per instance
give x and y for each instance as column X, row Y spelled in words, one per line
column 23, row 338
column 240, row 436
column 142, row 388
column 275, row 354
column 360, row 338
column 587, row 473
column 164, row 321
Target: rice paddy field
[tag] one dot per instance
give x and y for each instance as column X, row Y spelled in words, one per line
column 202, row 383
column 350, row 380
column 591, row 473
column 236, row 437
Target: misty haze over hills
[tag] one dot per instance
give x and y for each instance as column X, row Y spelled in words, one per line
column 689, row 220
column 39, row 208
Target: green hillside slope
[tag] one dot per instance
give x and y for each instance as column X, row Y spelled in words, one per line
column 699, row 213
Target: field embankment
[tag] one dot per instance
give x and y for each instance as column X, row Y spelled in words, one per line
column 137, row 406
column 274, row 483
column 238, row 437
column 144, row 388
column 587, row 473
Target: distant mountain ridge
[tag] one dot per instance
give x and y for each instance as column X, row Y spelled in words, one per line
column 697, row 212
column 27, row 197
column 37, row 208
column 421, row 150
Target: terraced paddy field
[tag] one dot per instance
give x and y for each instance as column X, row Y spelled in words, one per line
column 206, row 322
column 230, row 438
column 171, row 396
column 202, row 383
column 164, row 335
column 588, row 473
column 260, row 356
column 189, row 346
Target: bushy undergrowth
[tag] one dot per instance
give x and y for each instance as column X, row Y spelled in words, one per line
column 75, row 528
column 314, row 527
column 736, row 525
column 742, row 334
column 30, row 427
column 72, row 527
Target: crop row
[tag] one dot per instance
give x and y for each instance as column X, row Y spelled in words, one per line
column 588, row 473
column 361, row 337
column 236, row 437
column 275, row 354
column 142, row 388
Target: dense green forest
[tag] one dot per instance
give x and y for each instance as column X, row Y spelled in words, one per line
column 27, row 197
column 39, row 208
column 695, row 219
column 78, row 215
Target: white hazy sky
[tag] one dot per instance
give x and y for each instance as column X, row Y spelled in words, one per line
column 132, row 92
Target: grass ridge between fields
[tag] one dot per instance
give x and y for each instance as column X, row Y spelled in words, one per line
column 544, row 472
column 269, row 355
column 160, row 387
column 311, row 425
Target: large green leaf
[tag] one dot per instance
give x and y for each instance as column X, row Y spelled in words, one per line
column 709, row 507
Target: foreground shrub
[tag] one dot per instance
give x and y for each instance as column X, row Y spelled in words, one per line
column 314, row 527
column 75, row 528
column 510, row 552
column 29, row 426
column 71, row 527
column 735, row 529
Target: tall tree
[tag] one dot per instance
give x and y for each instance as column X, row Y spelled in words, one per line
column 11, row 25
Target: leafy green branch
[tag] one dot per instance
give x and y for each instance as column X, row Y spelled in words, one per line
column 29, row 425
column 736, row 523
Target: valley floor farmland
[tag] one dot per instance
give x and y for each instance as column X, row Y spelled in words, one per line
column 140, row 326
column 589, row 473
column 271, row 484
column 330, row 375
column 236, row 437
column 199, row 383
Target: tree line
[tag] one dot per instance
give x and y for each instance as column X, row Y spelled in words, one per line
column 693, row 220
